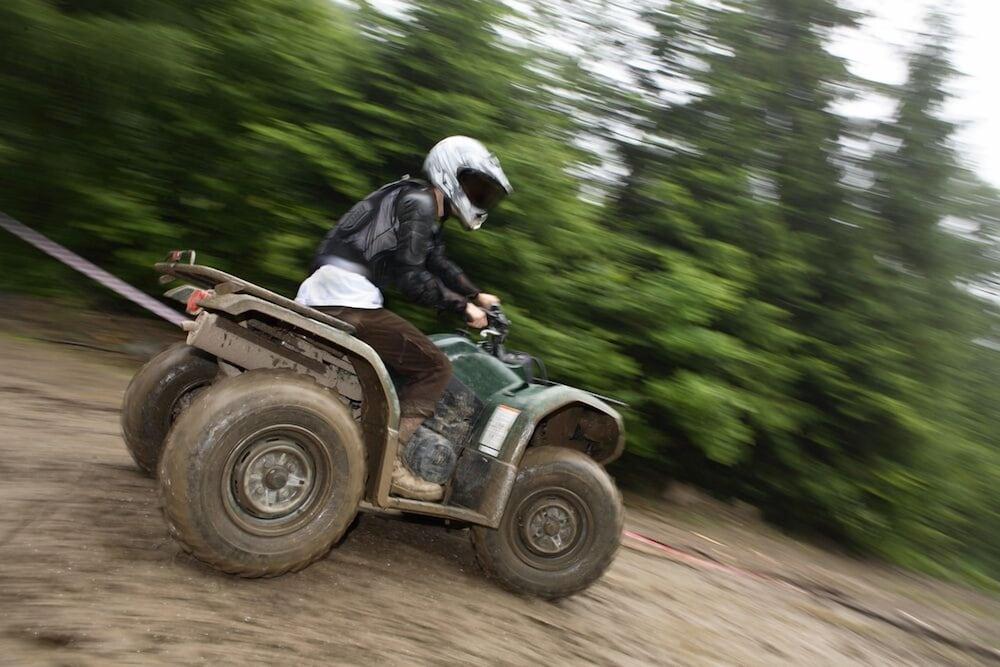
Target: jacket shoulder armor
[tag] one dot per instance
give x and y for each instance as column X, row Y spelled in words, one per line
column 417, row 204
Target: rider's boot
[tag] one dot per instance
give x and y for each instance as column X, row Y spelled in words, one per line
column 404, row 482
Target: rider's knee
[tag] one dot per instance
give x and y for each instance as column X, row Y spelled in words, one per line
column 440, row 364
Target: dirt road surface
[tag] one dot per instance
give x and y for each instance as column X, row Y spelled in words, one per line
column 88, row 574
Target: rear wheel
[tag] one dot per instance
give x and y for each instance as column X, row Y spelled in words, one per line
column 159, row 392
column 263, row 474
column 561, row 529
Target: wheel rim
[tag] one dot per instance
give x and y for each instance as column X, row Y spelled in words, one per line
column 551, row 528
column 273, row 479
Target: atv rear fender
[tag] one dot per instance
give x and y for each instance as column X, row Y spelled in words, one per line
column 248, row 333
column 248, row 327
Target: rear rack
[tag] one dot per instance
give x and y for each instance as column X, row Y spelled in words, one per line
column 225, row 283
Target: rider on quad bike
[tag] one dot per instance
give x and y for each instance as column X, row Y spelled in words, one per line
column 394, row 237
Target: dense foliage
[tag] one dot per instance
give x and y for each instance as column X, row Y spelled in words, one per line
column 795, row 321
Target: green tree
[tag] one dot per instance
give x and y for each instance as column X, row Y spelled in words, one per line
column 936, row 246
column 133, row 128
column 821, row 413
column 445, row 69
column 78, row 96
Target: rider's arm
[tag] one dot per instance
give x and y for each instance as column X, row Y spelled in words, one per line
column 445, row 269
column 417, row 212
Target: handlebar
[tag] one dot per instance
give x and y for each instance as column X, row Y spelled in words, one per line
column 497, row 323
column 495, row 333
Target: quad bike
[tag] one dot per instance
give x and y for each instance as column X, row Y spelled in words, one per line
column 272, row 427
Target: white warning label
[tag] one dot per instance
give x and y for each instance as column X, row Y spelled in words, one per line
column 497, row 429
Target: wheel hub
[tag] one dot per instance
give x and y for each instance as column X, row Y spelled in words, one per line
column 274, row 478
column 550, row 527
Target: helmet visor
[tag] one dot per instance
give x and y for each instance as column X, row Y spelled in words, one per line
column 482, row 189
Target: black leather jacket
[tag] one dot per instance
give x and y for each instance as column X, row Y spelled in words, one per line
column 394, row 235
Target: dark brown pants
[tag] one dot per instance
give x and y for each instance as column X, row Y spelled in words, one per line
column 424, row 369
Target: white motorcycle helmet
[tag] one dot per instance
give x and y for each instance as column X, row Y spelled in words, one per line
column 469, row 176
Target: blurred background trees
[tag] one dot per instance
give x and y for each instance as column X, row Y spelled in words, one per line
column 796, row 322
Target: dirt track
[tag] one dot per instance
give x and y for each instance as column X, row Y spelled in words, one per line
column 88, row 574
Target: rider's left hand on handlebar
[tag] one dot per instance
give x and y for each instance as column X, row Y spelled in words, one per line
column 484, row 300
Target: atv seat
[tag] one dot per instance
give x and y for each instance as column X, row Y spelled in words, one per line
column 209, row 278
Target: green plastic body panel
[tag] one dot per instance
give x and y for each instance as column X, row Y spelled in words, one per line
column 496, row 384
column 482, row 373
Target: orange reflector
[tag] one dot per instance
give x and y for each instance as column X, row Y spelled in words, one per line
column 193, row 306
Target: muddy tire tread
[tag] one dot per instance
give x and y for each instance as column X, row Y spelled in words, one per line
column 183, row 531
column 536, row 457
column 141, row 422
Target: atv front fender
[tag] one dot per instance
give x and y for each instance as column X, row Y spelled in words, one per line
column 562, row 416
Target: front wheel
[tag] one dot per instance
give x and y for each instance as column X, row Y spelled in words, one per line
column 263, row 474
column 561, row 529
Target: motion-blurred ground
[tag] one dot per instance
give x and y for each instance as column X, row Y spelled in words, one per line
column 88, row 574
